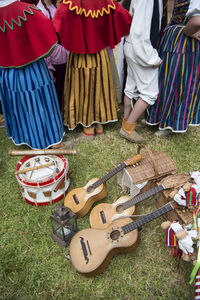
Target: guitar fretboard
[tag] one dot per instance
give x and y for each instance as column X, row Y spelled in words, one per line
column 109, row 175
column 143, row 196
column 148, row 218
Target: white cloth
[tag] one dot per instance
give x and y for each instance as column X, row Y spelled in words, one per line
column 143, row 53
column 6, row 2
column 185, row 244
column 194, row 8
column 59, row 54
column 142, row 77
column 141, row 82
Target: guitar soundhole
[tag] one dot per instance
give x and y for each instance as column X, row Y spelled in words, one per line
column 90, row 189
column 119, row 208
column 115, row 234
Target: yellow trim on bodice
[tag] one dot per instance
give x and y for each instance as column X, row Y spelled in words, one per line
column 93, row 13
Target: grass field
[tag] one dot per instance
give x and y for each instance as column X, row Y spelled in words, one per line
column 34, row 267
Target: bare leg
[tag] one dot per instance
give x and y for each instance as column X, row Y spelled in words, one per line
column 127, row 107
column 138, row 109
column 130, row 117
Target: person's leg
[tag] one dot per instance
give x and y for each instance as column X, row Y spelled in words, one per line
column 131, row 114
column 141, row 84
column 138, row 109
column 127, row 107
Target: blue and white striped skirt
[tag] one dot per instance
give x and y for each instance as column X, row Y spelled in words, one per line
column 30, row 106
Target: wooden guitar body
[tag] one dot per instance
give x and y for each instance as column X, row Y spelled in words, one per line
column 102, row 215
column 92, row 249
column 80, row 200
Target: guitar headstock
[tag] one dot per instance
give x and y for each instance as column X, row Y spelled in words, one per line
column 133, row 160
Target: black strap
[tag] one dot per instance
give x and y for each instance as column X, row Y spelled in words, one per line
column 155, row 22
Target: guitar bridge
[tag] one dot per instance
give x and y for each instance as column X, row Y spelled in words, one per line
column 84, row 249
column 75, row 199
column 103, row 217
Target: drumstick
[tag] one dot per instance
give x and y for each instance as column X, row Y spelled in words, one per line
column 35, row 168
column 42, row 152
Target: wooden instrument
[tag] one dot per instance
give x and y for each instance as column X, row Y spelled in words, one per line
column 25, row 170
column 104, row 214
column 43, row 179
column 92, row 249
column 42, row 152
column 81, row 199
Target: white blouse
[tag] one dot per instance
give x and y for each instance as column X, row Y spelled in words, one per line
column 6, row 2
column 194, row 8
column 143, row 52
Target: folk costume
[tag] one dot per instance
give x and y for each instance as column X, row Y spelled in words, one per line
column 86, row 28
column 142, row 64
column 29, row 100
column 140, row 52
column 178, row 106
column 56, row 62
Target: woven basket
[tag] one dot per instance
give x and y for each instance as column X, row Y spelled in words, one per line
column 183, row 215
column 154, row 165
column 143, row 176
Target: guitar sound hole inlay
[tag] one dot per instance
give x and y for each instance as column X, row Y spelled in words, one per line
column 119, row 208
column 115, row 234
column 90, row 189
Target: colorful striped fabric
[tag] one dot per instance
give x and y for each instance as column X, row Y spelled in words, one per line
column 170, row 238
column 178, row 102
column 179, row 11
column 30, row 106
column 89, row 91
column 191, row 197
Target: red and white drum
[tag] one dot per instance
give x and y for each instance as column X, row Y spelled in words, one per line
column 46, row 179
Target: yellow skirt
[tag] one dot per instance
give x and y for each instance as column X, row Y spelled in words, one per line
column 89, row 94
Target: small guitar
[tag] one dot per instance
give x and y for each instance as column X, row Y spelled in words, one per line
column 92, row 249
column 80, row 200
column 104, row 214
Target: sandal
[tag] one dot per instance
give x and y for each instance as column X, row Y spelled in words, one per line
column 99, row 129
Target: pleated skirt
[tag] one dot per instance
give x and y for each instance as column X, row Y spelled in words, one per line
column 30, row 106
column 178, row 103
column 89, row 95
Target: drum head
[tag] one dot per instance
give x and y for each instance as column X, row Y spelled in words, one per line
column 44, row 175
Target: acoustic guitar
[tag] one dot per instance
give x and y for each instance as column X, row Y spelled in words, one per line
column 105, row 213
column 92, row 249
column 80, row 200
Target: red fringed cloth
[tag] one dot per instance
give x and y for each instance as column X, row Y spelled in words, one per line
column 88, row 26
column 25, row 34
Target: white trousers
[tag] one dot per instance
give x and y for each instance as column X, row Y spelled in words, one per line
column 141, row 82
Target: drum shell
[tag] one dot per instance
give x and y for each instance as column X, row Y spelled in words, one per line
column 47, row 192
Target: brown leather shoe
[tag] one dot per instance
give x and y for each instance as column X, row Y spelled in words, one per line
column 128, row 132
column 133, row 137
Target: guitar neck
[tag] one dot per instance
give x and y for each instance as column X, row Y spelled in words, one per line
column 143, row 196
column 109, row 175
column 148, row 218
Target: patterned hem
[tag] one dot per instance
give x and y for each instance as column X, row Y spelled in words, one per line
column 95, row 122
column 20, row 144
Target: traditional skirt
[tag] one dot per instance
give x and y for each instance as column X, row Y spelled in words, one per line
column 89, row 94
column 178, row 102
column 30, row 106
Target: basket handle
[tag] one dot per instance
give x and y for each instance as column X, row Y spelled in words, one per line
column 151, row 157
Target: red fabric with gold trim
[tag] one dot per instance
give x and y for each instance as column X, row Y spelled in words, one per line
column 31, row 38
column 88, row 26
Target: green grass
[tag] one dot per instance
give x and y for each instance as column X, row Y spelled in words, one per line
column 33, row 266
